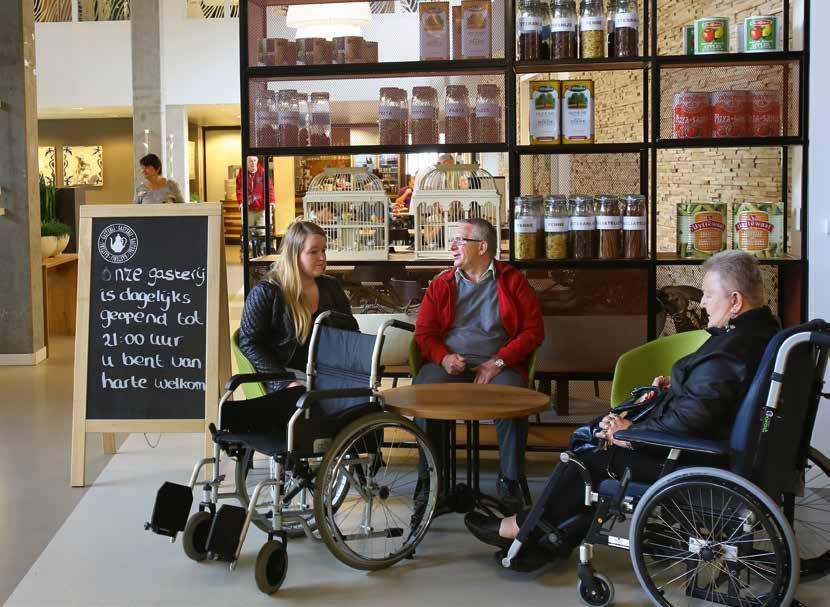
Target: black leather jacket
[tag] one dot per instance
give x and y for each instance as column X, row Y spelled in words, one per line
column 266, row 331
column 707, row 387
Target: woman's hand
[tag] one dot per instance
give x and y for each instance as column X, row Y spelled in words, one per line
column 295, row 384
column 662, row 382
column 610, row 424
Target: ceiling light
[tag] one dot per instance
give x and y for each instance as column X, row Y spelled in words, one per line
column 329, row 20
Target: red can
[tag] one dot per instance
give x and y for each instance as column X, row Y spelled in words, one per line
column 692, row 115
column 766, row 113
column 730, row 114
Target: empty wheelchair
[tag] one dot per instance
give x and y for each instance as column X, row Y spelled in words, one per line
column 703, row 534
column 336, row 462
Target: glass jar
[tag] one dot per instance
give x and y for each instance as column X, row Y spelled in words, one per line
column 488, row 113
column 526, row 227
column 532, row 23
column 563, row 29
column 423, row 115
column 457, row 114
column 635, row 226
column 304, row 118
column 592, row 20
column 288, row 118
column 390, row 131
column 403, row 104
column 320, row 127
column 626, row 28
column 265, row 120
column 609, row 227
column 609, row 28
column 557, row 226
column 583, row 227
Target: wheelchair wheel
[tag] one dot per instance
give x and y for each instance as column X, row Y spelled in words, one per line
column 194, row 538
column 389, row 503
column 704, row 535
column 271, row 566
column 601, row 597
column 253, row 467
column 811, row 517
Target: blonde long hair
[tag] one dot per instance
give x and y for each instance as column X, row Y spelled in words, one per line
column 287, row 275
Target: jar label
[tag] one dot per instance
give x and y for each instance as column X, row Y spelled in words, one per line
column 590, row 24
column 557, row 224
column 583, row 224
column 563, row 24
column 635, row 223
column 389, row 112
column 475, row 30
column 456, row 109
column 544, row 114
column 631, row 20
column 530, row 24
column 488, row 110
column 609, row 222
column 424, row 112
column 526, row 225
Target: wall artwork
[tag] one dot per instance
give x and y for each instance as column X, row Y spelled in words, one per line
column 83, row 165
column 46, row 164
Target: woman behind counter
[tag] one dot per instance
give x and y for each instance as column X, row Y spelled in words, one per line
column 156, row 189
column 280, row 311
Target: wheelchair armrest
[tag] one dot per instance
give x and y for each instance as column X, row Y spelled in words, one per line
column 247, row 378
column 406, row 326
column 309, row 398
column 673, row 441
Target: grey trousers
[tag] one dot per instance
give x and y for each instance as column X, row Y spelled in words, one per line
column 511, row 433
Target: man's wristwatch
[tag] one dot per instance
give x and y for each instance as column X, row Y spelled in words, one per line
column 499, row 363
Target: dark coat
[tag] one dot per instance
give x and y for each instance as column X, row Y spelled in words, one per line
column 707, row 387
column 266, row 331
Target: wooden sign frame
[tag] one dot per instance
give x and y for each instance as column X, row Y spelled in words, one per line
column 217, row 331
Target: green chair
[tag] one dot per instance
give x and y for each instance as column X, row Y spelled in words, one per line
column 639, row 367
column 249, row 389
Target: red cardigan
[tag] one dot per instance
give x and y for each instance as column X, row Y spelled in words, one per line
column 518, row 307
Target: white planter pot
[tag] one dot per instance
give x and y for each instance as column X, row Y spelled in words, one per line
column 63, row 242
column 48, row 246
column 396, row 344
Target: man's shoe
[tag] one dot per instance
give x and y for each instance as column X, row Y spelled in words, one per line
column 510, row 495
column 486, row 529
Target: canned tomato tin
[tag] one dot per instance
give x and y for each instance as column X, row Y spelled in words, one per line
column 761, row 34
column 692, row 115
column 711, row 35
column 765, row 113
column 730, row 113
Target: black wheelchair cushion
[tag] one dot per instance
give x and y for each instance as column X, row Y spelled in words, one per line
column 609, row 488
column 673, row 441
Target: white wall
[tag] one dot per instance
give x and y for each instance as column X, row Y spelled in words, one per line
column 819, row 205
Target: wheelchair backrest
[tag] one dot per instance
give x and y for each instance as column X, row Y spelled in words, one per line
column 769, row 446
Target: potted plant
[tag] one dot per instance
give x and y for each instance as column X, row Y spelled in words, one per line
column 54, row 235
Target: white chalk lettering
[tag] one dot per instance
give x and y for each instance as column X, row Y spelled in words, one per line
column 108, row 295
column 153, row 362
column 196, row 275
column 168, row 341
column 110, row 316
column 123, row 384
column 178, row 384
column 128, row 274
column 106, row 361
column 110, row 340
column 189, row 319
column 188, row 363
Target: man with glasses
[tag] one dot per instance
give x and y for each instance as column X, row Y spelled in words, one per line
column 480, row 322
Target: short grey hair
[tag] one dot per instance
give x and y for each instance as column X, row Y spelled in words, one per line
column 483, row 230
column 739, row 272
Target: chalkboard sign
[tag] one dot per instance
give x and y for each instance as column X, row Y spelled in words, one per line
column 152, row 337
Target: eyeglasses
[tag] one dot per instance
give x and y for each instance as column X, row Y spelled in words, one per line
column 460, row 240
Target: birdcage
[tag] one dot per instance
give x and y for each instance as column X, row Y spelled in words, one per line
column 350, row 205
column 447, row 195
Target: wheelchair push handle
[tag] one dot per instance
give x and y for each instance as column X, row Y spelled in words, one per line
column 404, row 326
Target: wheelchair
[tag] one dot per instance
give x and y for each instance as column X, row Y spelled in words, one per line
column 339, row 467
column 722, row 535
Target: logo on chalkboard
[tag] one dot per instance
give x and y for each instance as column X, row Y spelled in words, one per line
column 117, row 243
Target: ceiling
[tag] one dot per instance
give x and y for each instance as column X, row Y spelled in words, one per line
column 200, row 115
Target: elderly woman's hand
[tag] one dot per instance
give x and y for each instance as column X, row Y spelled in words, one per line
column 611, row 424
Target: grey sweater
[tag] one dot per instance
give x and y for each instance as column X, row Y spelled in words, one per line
column 168, row 193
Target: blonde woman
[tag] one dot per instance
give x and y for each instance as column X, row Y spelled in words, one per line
column 279, row 312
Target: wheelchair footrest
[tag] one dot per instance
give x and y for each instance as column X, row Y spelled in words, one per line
column 171, row 510
column 223, row 538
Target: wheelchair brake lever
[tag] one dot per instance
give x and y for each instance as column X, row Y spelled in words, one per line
column 624, row 481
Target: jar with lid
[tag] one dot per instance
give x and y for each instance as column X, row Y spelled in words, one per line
column 557, row 226
column 403, row 103
column 486, row 125
column 288, row 118
column 305, row 117
column 609, row 28
column 635, row 226
column 265, row 120
column 592, row 20
column 609, row 227
column 423, row 115
column 457, row 114
column 626, row 28
column 526, row 227
column 532, row 30
column 583, row 227
column 320, row 127
column 390, row 131
column 563, row 29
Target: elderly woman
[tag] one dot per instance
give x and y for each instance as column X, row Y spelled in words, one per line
column 700, row 399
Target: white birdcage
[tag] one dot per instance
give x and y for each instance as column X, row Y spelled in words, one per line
column 350, row 205
column 447, row 195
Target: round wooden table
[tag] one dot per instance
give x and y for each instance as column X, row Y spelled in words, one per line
column 470, row 403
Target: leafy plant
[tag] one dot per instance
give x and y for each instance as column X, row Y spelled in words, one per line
column 47, row 201
column 55, row 228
